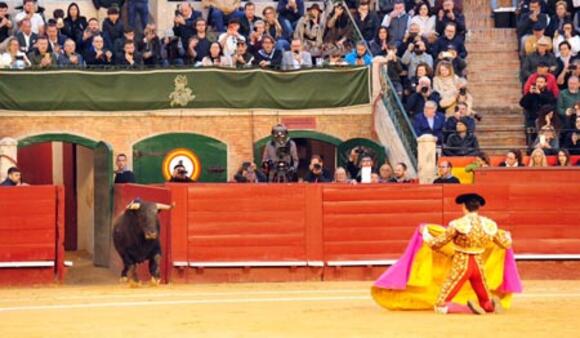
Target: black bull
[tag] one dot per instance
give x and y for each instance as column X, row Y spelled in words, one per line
column 136, row 238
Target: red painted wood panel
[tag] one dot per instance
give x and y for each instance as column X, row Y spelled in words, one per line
column 23, row 238
column 527, row 175
column 179, row 229
column 35, row 162
column 240, row 222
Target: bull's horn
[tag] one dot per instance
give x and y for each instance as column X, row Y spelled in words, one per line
column 161, row 206
column 133, row 206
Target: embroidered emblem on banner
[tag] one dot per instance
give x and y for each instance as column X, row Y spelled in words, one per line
column 182, row 94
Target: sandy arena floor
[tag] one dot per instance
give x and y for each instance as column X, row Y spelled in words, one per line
column 345, row 309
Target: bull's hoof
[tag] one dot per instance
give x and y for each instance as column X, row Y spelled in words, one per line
column 133, row 284
column 155, row 281
column 123, row 280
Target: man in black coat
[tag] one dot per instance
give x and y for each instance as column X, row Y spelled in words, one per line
column 123, row 175
column 268, row 57
column 537, row 97
column 445, row 174
column 461, row 143
column 14, row 178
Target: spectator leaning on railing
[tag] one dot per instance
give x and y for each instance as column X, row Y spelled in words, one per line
column 430, row 122
column 359, row 56
column 445, row 174
column 513, row 159
column 296, row 58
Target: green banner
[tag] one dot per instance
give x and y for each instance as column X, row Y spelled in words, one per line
column 86, row 90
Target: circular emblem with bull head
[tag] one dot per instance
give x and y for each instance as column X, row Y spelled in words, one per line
column 185, row 157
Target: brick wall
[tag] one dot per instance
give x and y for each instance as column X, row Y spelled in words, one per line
column 239, row 130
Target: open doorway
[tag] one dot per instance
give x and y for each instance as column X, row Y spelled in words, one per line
column 84, row 168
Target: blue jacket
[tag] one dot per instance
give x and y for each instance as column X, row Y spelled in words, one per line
column 351, row 57
column 289, row 14
column 442, row 44
column 421, row 126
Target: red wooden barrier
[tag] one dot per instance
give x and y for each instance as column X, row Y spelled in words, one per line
column 31, row 246
column 527, row 175
column 462, row 161
column 125, row 193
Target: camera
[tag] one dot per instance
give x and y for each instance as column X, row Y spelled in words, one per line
column 317, row 166
column 424, row 90
column 462, row 91
column 572, row 67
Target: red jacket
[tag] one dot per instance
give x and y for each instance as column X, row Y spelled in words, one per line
column 551, row 85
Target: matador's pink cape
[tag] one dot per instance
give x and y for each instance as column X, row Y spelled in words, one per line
column 414, row 281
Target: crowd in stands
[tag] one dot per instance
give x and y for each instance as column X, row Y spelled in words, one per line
column 550, row 69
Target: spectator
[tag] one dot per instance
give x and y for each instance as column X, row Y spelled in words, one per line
column 249, row 173
column 74, row 23
column 366, row 20
column 310, row 30
column 222, row 11
column 531, row 41
column 394, row 68
column 548, row 117
column 128, row 35
column 180, row 174
column 316, row 171
column 242, row 58
column 103, row 7
column 123, row 174
column 184, row 23
column 571, row 69
column 55, row 38
column 275, row 28
column 569, row 35
column 229, row 39
column 386, row 173
column 424, row 19
column 296, row 58
column 13, row 179
column 367, row 169
column 551, row 82
column 379, row 45
column 528, row 19
column 461, row 114
column 449, row 14
column 216, row 57
column 513, row 159
column 290, row 11
column 572, row 139
column 268, row 57
column 462, row 142
column 99, row 56
column 558, row 19
column 339, row 29
column 255, row 40
column 29, row 13
column 150, row 47
column 112, row 27
column 541, row 55
column 130, row 57
column 415, row 55
column 200, row 42
column 26, row 37
column 340, row 176
column 537, row 97
column 138, row 9
column 248, row 20
column 375, row 178
column 41, row 57
column 448, row 85
column 173, row 51
column 397, row 22
column 569, row 117
column 538, row 159
column 14, row 58
column 569, row 97
column 423, row 93
column 353, row 164
column 412, row 36
column 481, row 161
column 422, row 70
column 70, row 58
column 360, row 56
column 430, row 122
column 334, row 58
column 445, row 174
column 448, row 41
column 400, row 174
column 563, row 159
column 90, row 32
column 58, row 20
column 6, row 23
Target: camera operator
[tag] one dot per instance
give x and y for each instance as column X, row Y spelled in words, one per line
column 280, row 156
column 415, row 55
column 180, row 174
column 249, row 173
column 537, row 97
column 423, row 93
column 316, row 172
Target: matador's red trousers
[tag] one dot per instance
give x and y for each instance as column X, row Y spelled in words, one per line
column 477, row 280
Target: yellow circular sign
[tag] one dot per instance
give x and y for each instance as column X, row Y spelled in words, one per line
column 185, row 157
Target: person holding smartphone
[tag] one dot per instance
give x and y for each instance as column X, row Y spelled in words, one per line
column 296, row 58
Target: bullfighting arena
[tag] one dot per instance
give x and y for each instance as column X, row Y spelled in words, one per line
column 547, row 308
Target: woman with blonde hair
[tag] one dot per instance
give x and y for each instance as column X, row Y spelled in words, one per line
column 449, row 86
column 538, row 159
